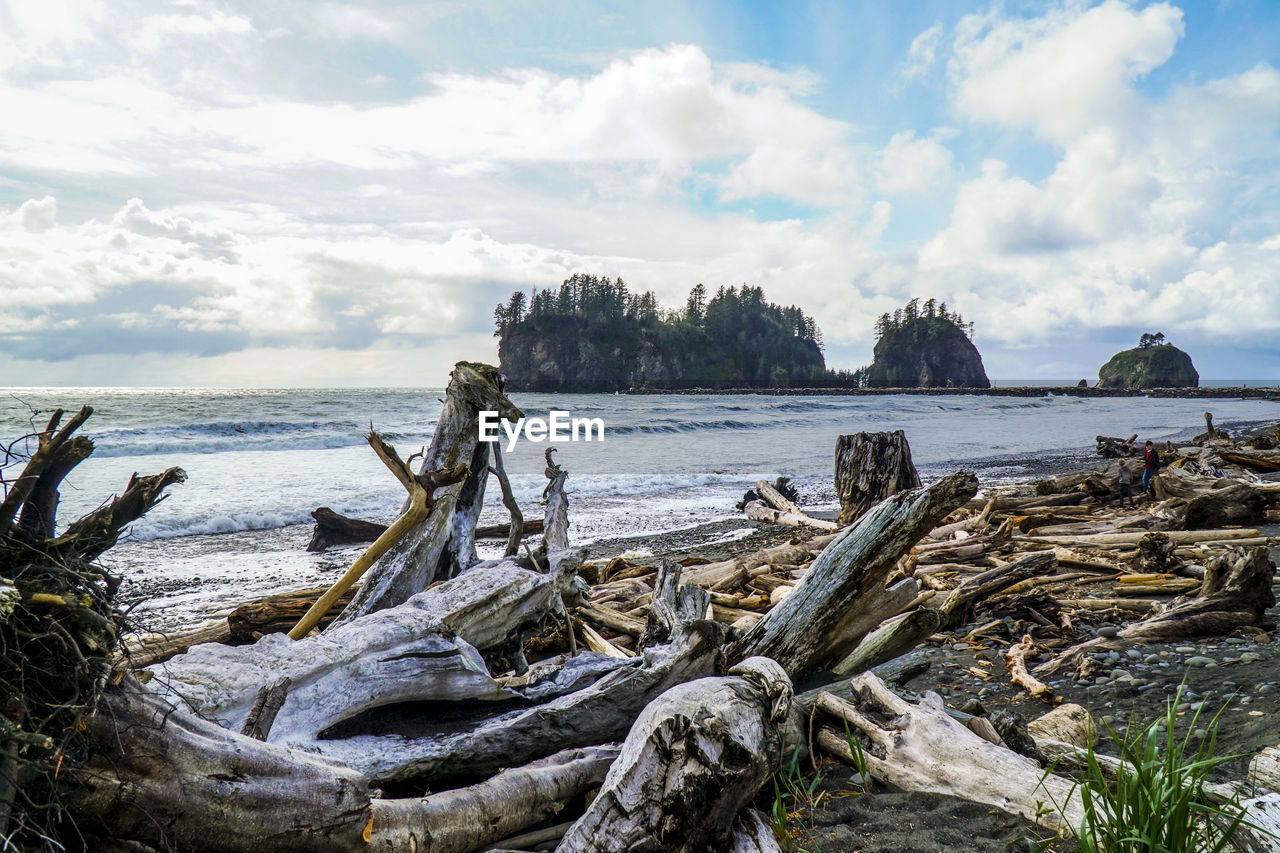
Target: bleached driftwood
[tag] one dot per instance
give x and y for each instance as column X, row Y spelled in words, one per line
column 439, row 547
column 467, row 819
column 919, row 747
column 808, row 628
column 1015, row 658
column 695, row 756
column 783, row 510
column 172, row 780
column 428, row 647
column 591, row 699
column 1236, row 591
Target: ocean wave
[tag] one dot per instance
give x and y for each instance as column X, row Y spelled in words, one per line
column 219, row 523
column 224, row 436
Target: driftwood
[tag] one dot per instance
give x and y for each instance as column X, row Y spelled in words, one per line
column 845, row 577
column 591, row 699
column 692, row 761
column 1236, row 592
column 920, row 747
column 467, row 819
column 1234, row 504
column 871, row 466
column 438, row 548
column 784, row 510
column 428, row 647
column 333, row 529
column 1015, row 658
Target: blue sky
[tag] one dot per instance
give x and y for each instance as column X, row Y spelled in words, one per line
column 313, row 193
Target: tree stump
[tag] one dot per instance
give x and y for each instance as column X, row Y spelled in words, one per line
column 871, row 466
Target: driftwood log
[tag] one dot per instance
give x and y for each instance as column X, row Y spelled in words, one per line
column 920, row 747
column 333, row 529
column 871, row 466
column 846, row 580
column 438, row 547
column 694, row 758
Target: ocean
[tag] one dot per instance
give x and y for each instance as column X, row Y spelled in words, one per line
column 259, row 461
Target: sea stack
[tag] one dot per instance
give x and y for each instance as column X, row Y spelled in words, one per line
column 1151, row 364
column 925, row 347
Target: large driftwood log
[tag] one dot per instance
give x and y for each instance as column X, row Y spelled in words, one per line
column 427, row 647
column 439, row 547
column 1234, row 504
column 175, row 781
column 467, row 819
column 808, row 628
column 1236, row 592
column 921, row 747
column 871, row 466
column 680, row 645
column 694, row 758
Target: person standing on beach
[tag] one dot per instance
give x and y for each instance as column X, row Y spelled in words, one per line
column 1124, row 478
column 1150, row 465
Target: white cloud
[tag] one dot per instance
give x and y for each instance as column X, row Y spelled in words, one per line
column 908, row 164
column 1065, row 72
column 921, row 55
column 672, row 108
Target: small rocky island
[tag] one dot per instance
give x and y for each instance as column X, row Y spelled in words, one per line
column 594, row 334
column 1153, row 363
column 925, row 346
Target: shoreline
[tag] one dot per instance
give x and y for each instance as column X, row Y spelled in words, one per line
column 1265, row 392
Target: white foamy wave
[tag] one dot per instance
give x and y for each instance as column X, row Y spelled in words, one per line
column 222, row 523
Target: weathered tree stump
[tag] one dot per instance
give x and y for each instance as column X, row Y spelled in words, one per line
column 871, row 466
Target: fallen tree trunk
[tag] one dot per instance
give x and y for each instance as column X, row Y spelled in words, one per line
column 467, row 819
column 757, row 511
column 174, row 781
column 427, row 647
column 694, row 758
column 807, row 629
column 871, row 466
column 333, row 529
column 919, row 747
column 680, row 645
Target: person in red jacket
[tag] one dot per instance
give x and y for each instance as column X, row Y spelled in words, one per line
column 1150, row 465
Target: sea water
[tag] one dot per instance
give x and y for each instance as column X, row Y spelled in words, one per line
column 259, row 461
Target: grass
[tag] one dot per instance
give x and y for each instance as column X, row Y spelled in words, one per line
column 1157, row 802
column 791, row 793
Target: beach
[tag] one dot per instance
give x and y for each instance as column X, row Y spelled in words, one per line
column 259, row 461
column 662, row 487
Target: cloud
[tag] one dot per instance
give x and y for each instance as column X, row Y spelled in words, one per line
column 670, row 108
column 908, row 164
column 1063, row 73
column 921, row 55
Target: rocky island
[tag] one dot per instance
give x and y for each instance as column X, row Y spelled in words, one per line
column 925, row 346
column 1152, row 364
column 594, row 334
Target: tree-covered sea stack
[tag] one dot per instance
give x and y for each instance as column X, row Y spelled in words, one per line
column 595, row 334
column 1153, row 363
column 925, row 346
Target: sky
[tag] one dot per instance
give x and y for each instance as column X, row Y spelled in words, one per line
column 304, row 193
